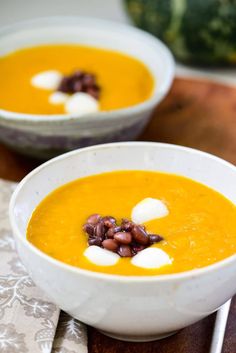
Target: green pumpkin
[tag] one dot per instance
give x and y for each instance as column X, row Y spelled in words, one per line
column 197, row 31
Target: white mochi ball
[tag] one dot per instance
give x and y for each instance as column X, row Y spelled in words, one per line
column 151, row 258
column 101, row 257
column 48, row 80
column 81, row 103
column 148, row 209
column 57, row 98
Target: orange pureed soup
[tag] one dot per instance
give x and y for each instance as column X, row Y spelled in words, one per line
column 199, row 230
column 123, row 80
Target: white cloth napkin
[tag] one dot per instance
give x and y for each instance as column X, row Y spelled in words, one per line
column 29, row 322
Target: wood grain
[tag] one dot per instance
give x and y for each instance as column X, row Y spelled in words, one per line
column 195, row 338
column 197, row 114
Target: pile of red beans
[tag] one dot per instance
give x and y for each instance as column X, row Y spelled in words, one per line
column 80, row 81
column 126, row 239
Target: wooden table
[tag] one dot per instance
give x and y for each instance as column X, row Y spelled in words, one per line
column 198, row 114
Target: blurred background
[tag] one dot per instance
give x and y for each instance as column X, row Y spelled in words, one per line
column 12, row 11
column 16, row 10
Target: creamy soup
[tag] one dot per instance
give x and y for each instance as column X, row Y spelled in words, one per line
column 123, row 80
column 199, row 228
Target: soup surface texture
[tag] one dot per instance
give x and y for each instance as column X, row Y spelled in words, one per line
column 199, row 230
column 123, row 80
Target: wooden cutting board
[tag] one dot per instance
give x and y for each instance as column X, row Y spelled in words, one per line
column 199, row 114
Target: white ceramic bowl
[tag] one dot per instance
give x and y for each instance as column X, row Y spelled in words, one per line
column 46, row 136
column 129, row 308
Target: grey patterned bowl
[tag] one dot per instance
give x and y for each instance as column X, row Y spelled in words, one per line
column 49, row 135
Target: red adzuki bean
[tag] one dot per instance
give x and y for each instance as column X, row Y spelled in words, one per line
column 126, row 240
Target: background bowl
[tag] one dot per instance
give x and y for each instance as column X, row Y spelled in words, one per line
column 130, row 308
column 49, row 135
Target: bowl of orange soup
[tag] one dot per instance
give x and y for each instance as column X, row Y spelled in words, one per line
column 136, row 239
column 73, row 82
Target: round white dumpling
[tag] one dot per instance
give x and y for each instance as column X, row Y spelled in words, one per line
column 81, row 103
column 57, row 98
column 48, row 80
column 151, row 258
column 101, row 257
column 148, row 209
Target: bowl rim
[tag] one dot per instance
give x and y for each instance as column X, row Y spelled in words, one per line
column 157, row 94
column 190, row 274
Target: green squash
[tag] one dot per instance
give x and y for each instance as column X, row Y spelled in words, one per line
column 197, row 31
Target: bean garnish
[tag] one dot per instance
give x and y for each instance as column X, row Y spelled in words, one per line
column 80, row 81
column 126, row 239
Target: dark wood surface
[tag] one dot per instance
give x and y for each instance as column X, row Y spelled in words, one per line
column 198, row 114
